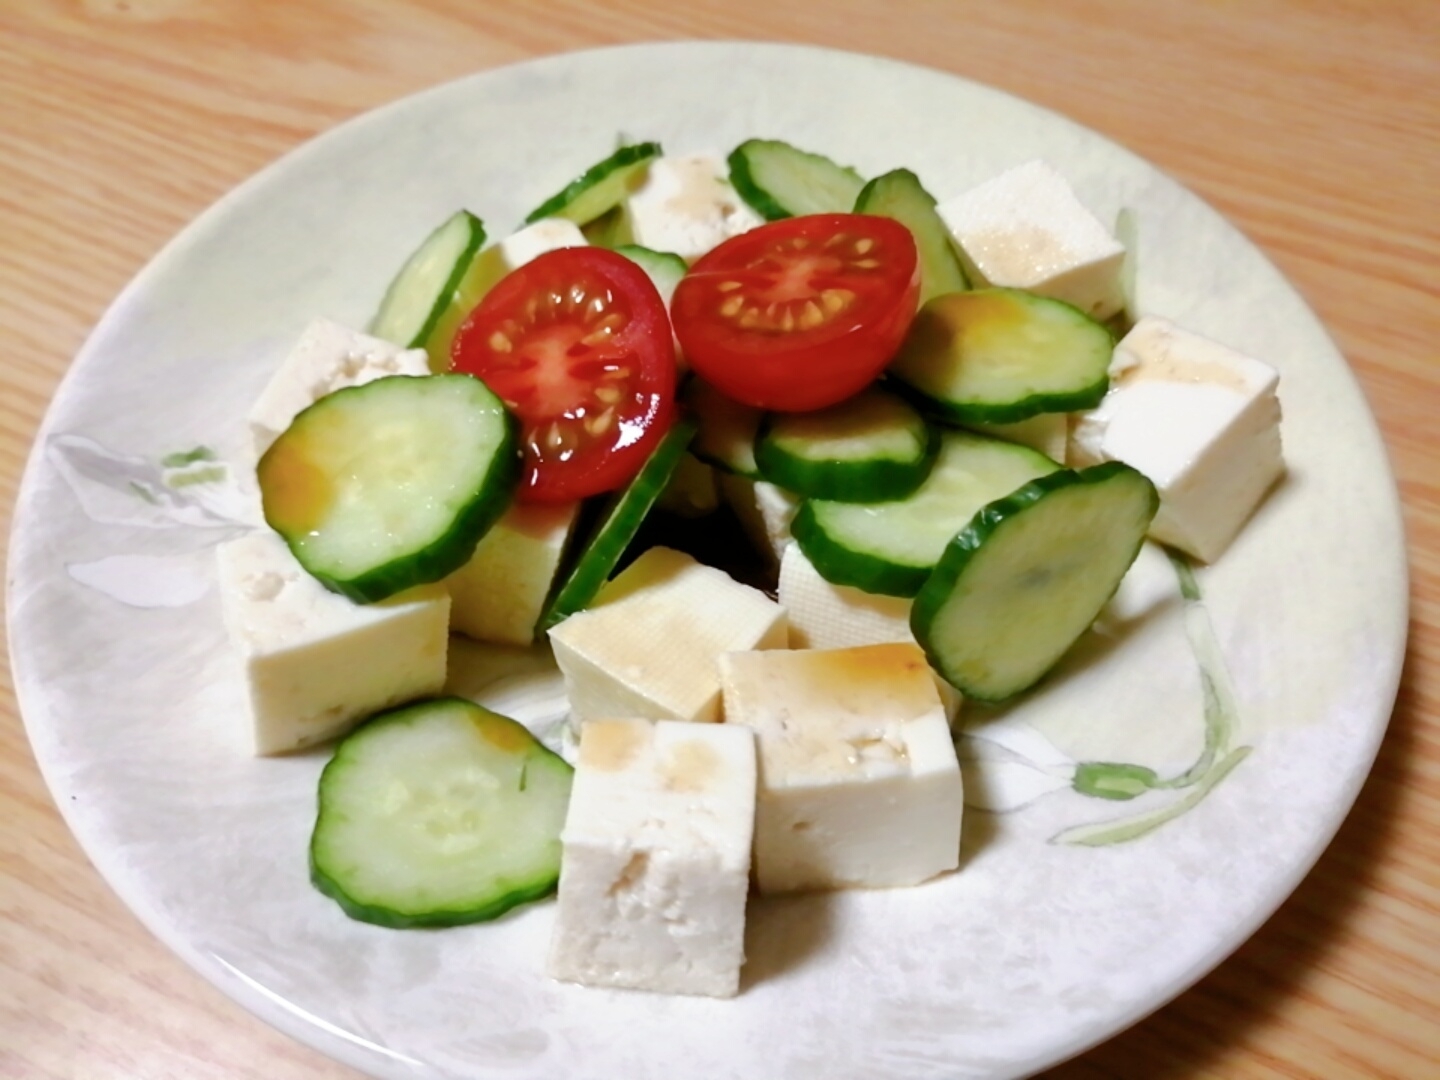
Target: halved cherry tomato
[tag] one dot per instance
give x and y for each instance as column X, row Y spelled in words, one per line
column 577, row 344
column 800, row 313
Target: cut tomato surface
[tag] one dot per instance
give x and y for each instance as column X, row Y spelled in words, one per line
column 800, row 313
column 578, row 345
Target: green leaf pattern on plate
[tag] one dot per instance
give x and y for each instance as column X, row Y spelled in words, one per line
column 1114, row 780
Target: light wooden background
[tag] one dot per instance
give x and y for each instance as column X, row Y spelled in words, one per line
column 1314, row 125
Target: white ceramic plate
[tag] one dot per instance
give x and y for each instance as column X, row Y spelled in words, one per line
column 1072, row 916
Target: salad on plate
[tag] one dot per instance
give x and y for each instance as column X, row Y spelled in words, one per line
column 941, row 427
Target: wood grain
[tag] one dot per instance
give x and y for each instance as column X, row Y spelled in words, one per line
column 1315, row 126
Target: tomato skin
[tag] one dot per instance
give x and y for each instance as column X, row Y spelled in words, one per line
column 577, row 343
column 857, row 274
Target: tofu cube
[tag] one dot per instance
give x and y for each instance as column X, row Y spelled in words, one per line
column 535, row 239
column 327, row 357
column 647, row 646
column 498, row 595
column 656, row 858
column 1200, row 419
column 1026, row 229
column 824, row 615
column 859, row 782
column 511, row 253
column 827, row 616
column 686, row 206
column 314, row 661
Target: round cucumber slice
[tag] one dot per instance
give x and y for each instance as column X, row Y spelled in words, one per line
column 873, row 447
column 381, row 487
column 900, row 195
column 1019, row 585
column 600, row 188
column 425, row 285
column 437, row 814
column 891, row 547
column 997, row 356
column 779, row 181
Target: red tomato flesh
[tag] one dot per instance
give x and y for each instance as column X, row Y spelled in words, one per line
column 578, row 345
column 799, row 313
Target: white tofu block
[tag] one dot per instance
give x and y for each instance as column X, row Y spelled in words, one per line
column 647, row 645
column 1026, row 229
column 513, row 252
column 686, row 206
column 315, row 662
column 656, row 862
column 827, row 616
column 497, row 596
column 859, row 782
column 547, row 234
column 765, row 511
column 1200, row 419
column 326, row 358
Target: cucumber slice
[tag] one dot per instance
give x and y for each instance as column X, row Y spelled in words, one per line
column 1001, row 355
column 663, row 268
column 380, row 487
column 727, row 429
column 871, row 447
column 437, row 814
column 1023, row 580
column 779, row 181
column 610, row 230
column 600, row 188
column 899, row 195
column 425, row 286
column 617, row 526
column 891, row 547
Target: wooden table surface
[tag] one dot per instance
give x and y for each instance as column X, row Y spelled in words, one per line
column 1314, row 125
